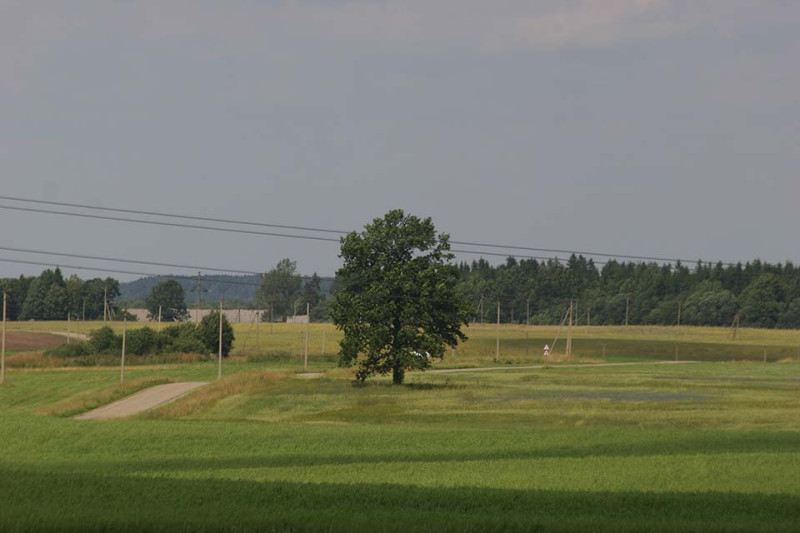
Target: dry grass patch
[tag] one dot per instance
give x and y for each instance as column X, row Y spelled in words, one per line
column 92, row 400
column 208, row 396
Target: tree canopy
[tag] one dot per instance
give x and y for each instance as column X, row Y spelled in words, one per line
column 169, row 296
column 397, row 302
column 279, row 288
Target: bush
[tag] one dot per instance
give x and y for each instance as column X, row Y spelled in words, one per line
column 208, row 331
column 142, row 341
column 182, row 338
column 72, row 349
column 104, row 340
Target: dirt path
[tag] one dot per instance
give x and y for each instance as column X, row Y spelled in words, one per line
column 68, row 334
column 141, row 401
column 529, row 367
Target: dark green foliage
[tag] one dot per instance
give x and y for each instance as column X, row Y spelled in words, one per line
column 104, row 340
column 763, row 295
column 709, row 305
column 142, row 341
column 279, row 289
column 397, row 302
column 170, row 297
column 762, row 302
column 72, row 349
column 208, row 333
column 182, row 338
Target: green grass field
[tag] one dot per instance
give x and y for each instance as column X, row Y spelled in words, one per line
column 712, row 446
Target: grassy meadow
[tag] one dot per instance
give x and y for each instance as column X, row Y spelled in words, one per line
column 708, row 446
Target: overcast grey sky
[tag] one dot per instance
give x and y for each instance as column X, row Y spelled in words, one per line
column 649, row 127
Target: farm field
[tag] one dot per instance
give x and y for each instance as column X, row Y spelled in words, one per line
column 285, row 343
column 711, row 446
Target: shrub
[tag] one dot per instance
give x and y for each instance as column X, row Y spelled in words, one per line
column 142, row 341
column 182, row 338
column 208, row 331
column 72, row 349
column 104, row 340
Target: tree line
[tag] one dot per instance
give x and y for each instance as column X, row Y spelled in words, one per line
column 50, row 296
column 761, row 294
column 539, row 292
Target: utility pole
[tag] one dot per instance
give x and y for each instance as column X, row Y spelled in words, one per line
column 259, row 317
column 481, row 307
column 197, row 312
column 270, row 318
column 735, row 326
column 569, row 332
column 323, row 339
column 497, row 347
column 679, row 314
column 627, row 308
column 69, row 327
column 124, row 338
column 3, row 351
column 219, row 355
column 308, row 328
column 105, row 305
column 159, row 318
column 528, row 311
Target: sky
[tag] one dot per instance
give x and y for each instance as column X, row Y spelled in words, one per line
column 641, row 127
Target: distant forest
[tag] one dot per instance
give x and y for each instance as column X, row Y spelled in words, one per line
column 761, row 294
column 756, row 294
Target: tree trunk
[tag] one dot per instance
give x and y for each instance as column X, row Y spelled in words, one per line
column 398, row 373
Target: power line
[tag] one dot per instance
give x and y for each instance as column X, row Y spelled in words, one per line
column 118, row 271
column 306, row 228
column 172, row 215
column 171, row 224
column 250, row 232
column 131, row 261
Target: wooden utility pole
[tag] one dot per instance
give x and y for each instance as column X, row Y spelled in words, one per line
column 159, row 318
column 197, row 312
column 124, row 338
column 323, row 339
column 219, row 355
column 308, row 330
column 735, row 326
column 627, row 308
column 497, row 347
column 270, row 318
column 259, row 317
column 569, row 332
column 3, row 350
column 480, row 305
column 105, row 305
column 528, row 311
column 679, row 314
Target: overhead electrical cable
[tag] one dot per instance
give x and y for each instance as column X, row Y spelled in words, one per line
column 310, row 229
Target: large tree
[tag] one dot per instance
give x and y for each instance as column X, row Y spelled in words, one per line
column 397, row 302
column 169, row 296
column 279, row 288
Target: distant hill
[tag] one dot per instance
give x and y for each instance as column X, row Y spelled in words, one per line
column 232, row 288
